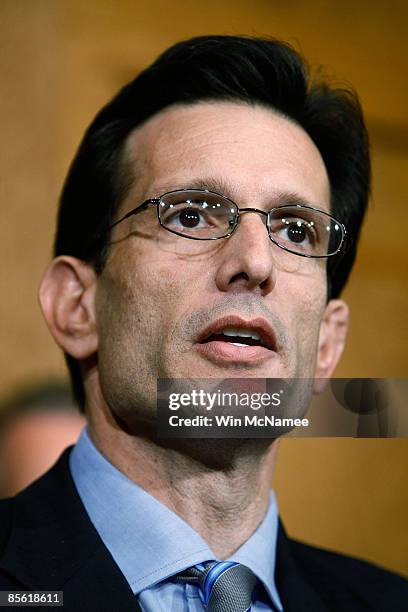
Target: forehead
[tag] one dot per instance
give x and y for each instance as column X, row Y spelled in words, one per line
column 253, row 152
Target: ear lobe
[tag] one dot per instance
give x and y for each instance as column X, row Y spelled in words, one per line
column 67, row 299
column 332, row 338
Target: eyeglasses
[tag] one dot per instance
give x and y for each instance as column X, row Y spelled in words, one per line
column 199, row 214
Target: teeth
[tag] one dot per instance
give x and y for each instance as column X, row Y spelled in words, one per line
column 238, row 344
column 241, row 332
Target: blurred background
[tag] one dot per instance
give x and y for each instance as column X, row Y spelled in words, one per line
column 61, row 61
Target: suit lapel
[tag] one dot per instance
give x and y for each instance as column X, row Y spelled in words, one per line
column 54, row 546
column 295, row 593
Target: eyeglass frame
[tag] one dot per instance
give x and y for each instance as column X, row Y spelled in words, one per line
column 156, row 202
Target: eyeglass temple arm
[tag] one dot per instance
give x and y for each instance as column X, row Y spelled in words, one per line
column 136, row 210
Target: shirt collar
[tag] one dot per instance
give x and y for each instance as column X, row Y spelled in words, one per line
column 146, row 539
column 259, row 551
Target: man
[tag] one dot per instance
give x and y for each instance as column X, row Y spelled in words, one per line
column 148, row 284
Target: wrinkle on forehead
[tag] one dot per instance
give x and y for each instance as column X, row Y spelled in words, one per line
column 165, row 152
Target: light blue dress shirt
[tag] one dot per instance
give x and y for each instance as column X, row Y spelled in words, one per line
column 150, row 543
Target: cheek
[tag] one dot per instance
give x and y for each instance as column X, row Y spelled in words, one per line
column 140, row 294
column 305, row 299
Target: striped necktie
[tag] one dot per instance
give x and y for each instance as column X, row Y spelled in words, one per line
column 223, row 587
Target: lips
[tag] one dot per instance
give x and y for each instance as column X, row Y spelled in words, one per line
column 233, row 339
column 236, row 329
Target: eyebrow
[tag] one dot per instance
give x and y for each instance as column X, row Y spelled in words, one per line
column 222, row 187
column 219, row 186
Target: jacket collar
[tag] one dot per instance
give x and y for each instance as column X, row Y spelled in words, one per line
column 295, row 593
column 54, row 546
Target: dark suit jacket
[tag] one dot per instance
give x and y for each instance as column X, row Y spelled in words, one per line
column 47, row 542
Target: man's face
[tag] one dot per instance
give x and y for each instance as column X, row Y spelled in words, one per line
column 163, row 301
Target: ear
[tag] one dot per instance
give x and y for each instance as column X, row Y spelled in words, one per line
column 67, row 299
column 332, row 338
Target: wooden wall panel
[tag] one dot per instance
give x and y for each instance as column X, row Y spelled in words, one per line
column 60, row 61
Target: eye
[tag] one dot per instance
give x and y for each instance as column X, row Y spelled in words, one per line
column 202, row 216
column 294, row 230
column 184, row 216
column 298, row 231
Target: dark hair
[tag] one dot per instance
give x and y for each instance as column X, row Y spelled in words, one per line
column 53, row 395
column 230, row 68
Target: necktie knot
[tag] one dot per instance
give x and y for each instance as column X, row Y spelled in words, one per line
column 223, row 586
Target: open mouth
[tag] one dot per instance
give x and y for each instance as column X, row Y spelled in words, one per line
column 236, row 340
column 237, row 336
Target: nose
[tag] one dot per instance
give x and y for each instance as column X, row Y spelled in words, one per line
column 247, row 258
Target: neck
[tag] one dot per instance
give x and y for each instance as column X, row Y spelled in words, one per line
column 220, row 487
